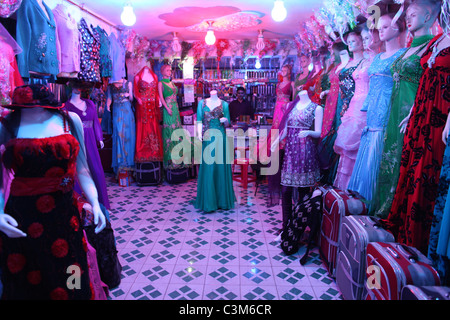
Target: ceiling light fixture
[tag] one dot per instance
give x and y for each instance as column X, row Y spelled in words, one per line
column 260, row 44
column 176, row 47
column 258, row 64
column 279, row 12
column 128, row 17
column 210, row 38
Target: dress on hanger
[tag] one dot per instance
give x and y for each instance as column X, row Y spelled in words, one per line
column 9, row 73
column 377, row 104
column 90, row 53
column 124, row 129
column 300, row 166
column 331, row 103
column 412, row 209
column 36, row 35
column 41, row 201
column 67, row 41
column 325, row 148
column 215, row 181
column 170, row 123
column 117, row 54
column 349, row 133
column 92, row 135
column 149, row 145
column 105, row 53
column 406, row 74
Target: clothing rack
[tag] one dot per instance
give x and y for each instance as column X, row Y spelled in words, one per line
column 82, row 8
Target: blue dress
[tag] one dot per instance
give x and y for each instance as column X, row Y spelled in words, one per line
column 377, row 104
column 124, row 129
column 215, row 180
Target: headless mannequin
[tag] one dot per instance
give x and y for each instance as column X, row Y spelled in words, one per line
column 147, row 77
column 40, row 123
column 80, row 105
column 118, row 84
column 212, row 103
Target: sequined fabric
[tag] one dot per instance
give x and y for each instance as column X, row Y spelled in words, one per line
column 90, row 53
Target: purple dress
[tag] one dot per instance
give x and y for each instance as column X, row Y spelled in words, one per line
column 301, row 163
column 92, row 134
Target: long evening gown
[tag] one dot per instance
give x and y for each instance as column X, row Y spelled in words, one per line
column 412, row 209
column 170, row 123
column 124, row 129
column 41, row 201
column 149, row 145
column 349, row 132
column 331, row 103
column 406, row 74
column 92, row 135
column 215, row 181
column 377, row 105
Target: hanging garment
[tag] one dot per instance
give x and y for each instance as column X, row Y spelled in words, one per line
column 348, row 136
column 215, row 181
column 117, row 57
column 9, row 73
column 36, row 35
column 420, row 167
column 92, row 136
column 149, row 146
column 90, row 53
column 331, row 102
column 105, row 53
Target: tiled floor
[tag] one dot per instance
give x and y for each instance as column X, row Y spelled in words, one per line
column 169, row 250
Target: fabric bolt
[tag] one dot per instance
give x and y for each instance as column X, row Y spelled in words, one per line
column 406, row 73
column 124, row 129
column 377, row 105
column 35, row 267
column 67, row 40
column 117, row 54
column 149, row 146
column 92, row 136
column 105, row 53
column 215, row 181
column 411, row 214
column 90, row 53
column 36, row 35
column 348, row 136
column 300, row 165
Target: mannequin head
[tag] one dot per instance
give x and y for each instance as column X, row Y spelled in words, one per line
column 354, row 42
column 387, row 30
column 421, row 15
column 304, row 61
column 339, row 48
column 286, row 72
column 166, row 71
column 371, row 39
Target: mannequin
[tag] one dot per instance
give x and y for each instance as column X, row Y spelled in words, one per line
column 93, row 135
column 302, row 76
column 171, row 116
column 124, row 127
column 215, row 184
column 354, row 120
column 406, row 71
column 421, row 173
column 377, row 105
column 371, row 42
column 299, row 169
column 40, row 222
column 149, row 146
column 284, row 92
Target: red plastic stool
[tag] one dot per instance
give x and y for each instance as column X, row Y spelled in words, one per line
column 243, row 177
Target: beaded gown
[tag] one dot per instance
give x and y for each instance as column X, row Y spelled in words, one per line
column 377, row 105
column 330, row 103
column 149, row 145
column 41, row 201
column 406, row 73
column 411, row 214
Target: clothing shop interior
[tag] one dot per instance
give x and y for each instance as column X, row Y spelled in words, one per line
column 225, row 150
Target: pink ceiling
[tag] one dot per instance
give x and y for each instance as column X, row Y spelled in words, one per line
column 158, row 19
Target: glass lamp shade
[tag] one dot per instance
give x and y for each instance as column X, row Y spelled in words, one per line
column 128, row 17
column 210, row 38
column 279, row 12
column 258, row 64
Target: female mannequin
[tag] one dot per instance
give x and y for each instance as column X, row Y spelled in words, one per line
column 215, row 182
column 423, row 149
column 371, row 42
column 302, row 76
column 354, row 120
column 41, row 234
column 171, row 116
column 93, row 135
column 284, row 93
column 299, row 169
column 149, row 145
column 119, row 97
column 377, row 104
column 406, row 71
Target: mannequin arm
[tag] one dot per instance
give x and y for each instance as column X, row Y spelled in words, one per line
column 8, row 225
column 161, row 98
column 135, row 91
column 199, row 119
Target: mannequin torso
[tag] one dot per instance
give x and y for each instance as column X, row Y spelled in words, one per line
column 213, row 101
column 345, row 58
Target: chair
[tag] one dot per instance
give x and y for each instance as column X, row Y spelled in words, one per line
column 244, row 162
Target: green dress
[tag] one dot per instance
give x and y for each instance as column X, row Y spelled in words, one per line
column 406, row 73
column 215, row 181
column 170, row 123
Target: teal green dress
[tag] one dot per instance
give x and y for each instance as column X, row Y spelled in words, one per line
column 215, row 181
